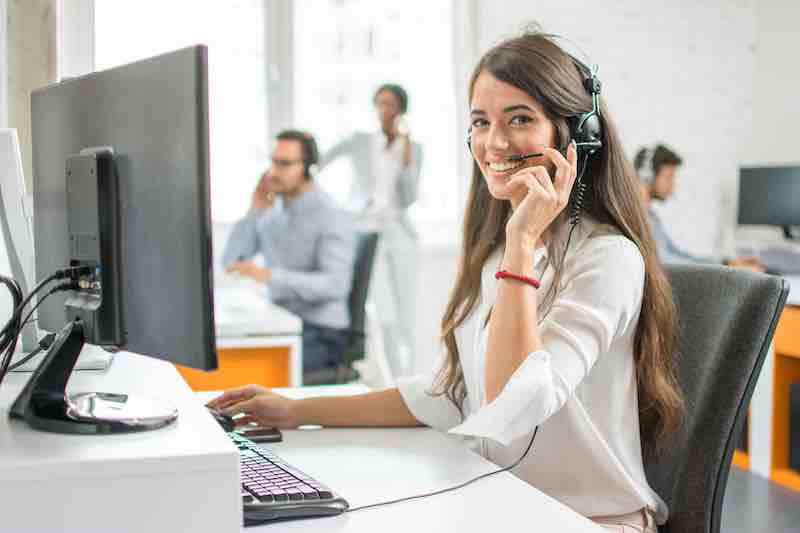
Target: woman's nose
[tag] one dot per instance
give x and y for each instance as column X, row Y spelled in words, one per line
column 496, row 140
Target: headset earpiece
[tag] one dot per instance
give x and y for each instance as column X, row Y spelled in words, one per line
column 586, row 128
column 311, row 153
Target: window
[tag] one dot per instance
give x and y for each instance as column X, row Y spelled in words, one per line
column 234, row 33
column 344, row 49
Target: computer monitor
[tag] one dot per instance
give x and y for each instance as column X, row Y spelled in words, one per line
column 770, row 196
column 121, row 186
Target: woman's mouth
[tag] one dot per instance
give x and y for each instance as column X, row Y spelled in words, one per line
column 504, row 168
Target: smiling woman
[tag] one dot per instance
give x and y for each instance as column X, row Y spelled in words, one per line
column 590, row 361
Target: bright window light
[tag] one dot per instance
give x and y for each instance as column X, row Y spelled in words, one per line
column 234, row 33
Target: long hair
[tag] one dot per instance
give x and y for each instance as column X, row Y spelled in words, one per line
column 536, row 64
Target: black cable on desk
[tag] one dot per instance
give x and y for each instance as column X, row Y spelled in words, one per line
column 455, row 487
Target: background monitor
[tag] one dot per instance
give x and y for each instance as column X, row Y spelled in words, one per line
column 153, row 114
column 16, row 246
column 770, row 196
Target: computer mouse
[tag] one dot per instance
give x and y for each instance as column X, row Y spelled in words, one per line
column 222, row 419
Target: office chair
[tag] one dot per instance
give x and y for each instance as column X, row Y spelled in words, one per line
column 726, row 322
column 357, row 303
column 366, row 245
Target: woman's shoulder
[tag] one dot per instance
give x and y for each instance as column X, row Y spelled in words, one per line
column 605, row 246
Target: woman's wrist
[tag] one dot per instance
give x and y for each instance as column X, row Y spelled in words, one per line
column 298, row 412
column 518, row 259
column 521, row 240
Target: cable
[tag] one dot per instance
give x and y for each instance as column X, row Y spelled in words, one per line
column 8, row 341
column 47, row 340
column 455, row 487
column 11, row 331
column 44, row 344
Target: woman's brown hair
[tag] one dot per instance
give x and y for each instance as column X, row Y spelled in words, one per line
column 536, row 64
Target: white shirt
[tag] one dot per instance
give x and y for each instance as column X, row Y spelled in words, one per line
column 580, row 389
column 387, row 163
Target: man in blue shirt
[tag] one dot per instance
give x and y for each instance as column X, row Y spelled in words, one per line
column 308, row 245
column 657, row 167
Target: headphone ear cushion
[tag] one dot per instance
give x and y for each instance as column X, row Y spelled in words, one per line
column 590, row 129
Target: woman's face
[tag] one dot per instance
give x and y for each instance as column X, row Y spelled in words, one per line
column 387, row 106
column 506, row 121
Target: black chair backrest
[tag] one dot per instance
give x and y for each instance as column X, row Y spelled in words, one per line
column 726, row 320
column 366, row 245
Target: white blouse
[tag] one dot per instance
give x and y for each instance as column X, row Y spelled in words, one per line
column 580, row 389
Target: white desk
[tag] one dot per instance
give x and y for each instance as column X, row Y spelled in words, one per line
column 245, row 319
column 183, row 477
column 372, row 465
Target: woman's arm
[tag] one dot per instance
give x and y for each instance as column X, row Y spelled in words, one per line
column 380, row 408
column 267, row 408
column 514, row 325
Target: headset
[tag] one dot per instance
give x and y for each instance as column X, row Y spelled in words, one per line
column 310, row 155
column 585, row 129
column 647, row 174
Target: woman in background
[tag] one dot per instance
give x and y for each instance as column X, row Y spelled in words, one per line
column 387, row 165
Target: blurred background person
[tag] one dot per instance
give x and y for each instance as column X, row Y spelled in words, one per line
column 308, row 246
column 657, row 167
column 386, row 167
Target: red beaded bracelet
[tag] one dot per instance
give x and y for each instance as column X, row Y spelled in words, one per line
column 503, row 274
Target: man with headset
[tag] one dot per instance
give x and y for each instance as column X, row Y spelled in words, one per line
column 657, row 167
column 308, row 245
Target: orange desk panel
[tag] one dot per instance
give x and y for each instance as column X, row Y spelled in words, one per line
column 787, row 371
column 242, row 366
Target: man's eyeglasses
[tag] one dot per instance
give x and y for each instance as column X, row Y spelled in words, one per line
column 285, row 163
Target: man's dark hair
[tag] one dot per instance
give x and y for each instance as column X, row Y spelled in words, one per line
column 308, row 145
column 398, row 91
column 660, row 156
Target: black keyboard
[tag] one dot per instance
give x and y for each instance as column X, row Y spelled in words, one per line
column 274, row 490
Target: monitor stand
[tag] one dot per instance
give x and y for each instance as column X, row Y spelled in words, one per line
column 44, row 403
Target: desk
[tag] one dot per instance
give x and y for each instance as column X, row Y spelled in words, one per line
column 768, row 439
column 787, row 371
column 257, row 342
column 185, row 477
column 162, row 480
column 372, row 465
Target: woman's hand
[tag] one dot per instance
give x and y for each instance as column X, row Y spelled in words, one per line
column 545, row 197
column 258, row 405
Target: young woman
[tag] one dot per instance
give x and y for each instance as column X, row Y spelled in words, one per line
column 588, row 356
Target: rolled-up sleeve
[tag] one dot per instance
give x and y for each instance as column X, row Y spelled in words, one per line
column 332, row 280
column 600, row 301
column 437, row 412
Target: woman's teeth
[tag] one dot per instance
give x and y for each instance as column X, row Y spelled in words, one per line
column 505, row 166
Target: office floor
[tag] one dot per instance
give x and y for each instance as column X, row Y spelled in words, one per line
column 753, row 505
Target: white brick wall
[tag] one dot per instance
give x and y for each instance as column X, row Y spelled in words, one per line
column 679, row 72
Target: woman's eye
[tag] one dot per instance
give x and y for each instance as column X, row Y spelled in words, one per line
column 479, row 123
column 519, row 120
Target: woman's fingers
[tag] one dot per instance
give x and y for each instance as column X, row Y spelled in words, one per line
column 227, row 398
column 245, row 407
column 233, row 396
column 566, row 169
column 538, row 181
column 245, row 421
